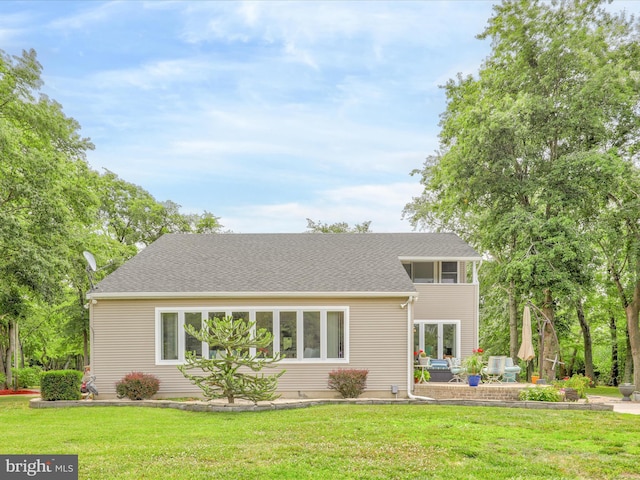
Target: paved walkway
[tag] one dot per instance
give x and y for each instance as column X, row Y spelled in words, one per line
column 618, row 405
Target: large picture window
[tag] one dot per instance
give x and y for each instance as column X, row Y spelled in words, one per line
column 300, row 334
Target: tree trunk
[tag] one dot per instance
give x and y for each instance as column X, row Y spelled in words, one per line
column 9, row 356
column 632, row 311
column 588, row 345
column 513, row 323
column 628, row 359
column 2, row 369
column 571, row 363
column 550, row 344
column 614, row 352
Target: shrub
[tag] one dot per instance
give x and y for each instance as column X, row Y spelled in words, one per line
column 61, row 385
column 27, row 377
column 2, row 379
column 137, row 386
column 578, row 382
column 348, row 383
column 542, row 393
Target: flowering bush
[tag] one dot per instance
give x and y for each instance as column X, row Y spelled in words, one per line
column 474, row 363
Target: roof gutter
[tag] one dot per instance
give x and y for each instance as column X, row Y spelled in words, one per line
column 151, row 295
column 410, row 382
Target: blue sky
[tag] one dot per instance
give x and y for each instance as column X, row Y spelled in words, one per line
column 262, row 113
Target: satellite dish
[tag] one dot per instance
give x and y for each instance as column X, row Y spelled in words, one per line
column 90, row 260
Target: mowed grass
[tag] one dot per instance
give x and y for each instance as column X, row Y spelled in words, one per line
column 605, row 391
column 327, row 442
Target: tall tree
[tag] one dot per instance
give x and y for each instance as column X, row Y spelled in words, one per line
column 525, row 145
column 620, row 245
column 43, row 192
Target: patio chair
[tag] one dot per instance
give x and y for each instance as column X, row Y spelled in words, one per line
column 494, row 370
column 457, row 370
column 510, row 371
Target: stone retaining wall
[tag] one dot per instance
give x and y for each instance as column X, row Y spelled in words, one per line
column 462, row 391
column 199, row 406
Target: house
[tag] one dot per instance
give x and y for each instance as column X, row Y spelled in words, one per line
column 365, row 301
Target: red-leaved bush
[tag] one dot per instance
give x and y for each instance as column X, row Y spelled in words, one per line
column 137, row 386
column 348, row 383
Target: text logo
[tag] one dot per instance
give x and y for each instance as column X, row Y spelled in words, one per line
column 48, row 467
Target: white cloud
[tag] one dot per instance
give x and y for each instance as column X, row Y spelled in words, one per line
column 90, row 15
column 159, row 74
column 264, row 113
column 365, row 29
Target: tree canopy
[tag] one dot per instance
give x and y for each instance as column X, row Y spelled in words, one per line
column 52, row 207
column 533, row 147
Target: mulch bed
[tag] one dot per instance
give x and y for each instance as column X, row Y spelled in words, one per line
column 19, row 392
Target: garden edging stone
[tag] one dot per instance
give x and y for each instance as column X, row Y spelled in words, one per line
column 201, row 406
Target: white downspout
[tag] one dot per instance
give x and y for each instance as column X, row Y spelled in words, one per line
column 410, row 381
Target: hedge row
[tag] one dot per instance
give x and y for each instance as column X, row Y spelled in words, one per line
column 61, row 385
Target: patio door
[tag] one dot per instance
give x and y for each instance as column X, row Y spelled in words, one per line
column 438, row 338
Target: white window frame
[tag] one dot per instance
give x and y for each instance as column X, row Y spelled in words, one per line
column 437, row 271
column 252, row 317
column 419, row 324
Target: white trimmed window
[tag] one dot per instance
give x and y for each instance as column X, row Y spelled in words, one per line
column 306, row 334
column 437, row 338
column 432, row 272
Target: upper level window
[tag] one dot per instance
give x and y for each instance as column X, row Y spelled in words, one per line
column 432, row 272
column 423, row 272
column 449, row 272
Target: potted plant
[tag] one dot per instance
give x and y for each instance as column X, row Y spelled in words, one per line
column 422, row 358
column 535, row 376
column 421, row 375
column 473, row 365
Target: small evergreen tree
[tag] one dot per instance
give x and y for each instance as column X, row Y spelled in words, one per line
column 226, row 376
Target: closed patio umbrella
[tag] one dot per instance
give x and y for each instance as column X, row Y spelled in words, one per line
column 526, row 352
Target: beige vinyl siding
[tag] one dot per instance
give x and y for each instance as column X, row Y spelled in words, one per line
column 462, row 272
column 451, row 302
column 123, row 340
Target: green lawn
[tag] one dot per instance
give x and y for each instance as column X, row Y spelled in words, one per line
column 605, row 391
column 326, row 442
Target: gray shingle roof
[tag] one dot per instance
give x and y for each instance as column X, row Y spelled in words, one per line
column 279, row 263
